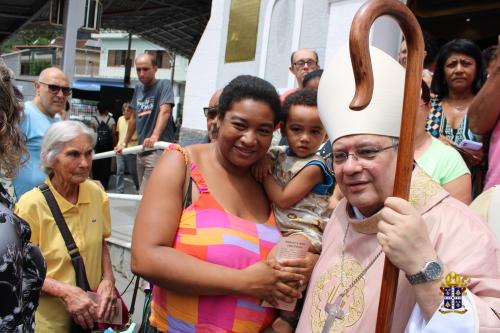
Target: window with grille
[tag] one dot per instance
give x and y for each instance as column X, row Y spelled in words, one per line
column 162, row 58
column 117, row 58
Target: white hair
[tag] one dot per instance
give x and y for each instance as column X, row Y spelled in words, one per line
column 57, row 135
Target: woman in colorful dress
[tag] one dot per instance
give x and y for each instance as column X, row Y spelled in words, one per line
column 458, row 76
column 207, row 261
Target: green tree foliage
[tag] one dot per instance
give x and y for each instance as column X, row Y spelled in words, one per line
column 30, row 35
column 38, row 65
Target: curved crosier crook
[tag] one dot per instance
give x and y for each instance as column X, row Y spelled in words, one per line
column 363, row 74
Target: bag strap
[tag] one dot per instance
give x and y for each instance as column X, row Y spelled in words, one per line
column 187, row 195
column 74, row 252
column 188, row 183
column 134, row 296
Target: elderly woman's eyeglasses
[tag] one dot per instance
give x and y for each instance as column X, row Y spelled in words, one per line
column 54, row 88
column 361, row 154
column 302, row 63
column 210, row 112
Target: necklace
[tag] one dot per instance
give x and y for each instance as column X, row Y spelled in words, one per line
column 334, row 310
column 459, row 108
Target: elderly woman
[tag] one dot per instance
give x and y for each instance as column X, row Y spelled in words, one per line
column 208, row 260
column 66, row 156
column 22, row 267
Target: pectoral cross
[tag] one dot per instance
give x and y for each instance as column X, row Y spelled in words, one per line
column 334, row 311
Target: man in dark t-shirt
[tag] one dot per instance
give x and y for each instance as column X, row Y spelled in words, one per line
column 152, row 105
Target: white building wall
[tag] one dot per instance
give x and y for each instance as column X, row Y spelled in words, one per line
column 315, row 21
column 202, row 73
column 324, row 26
column 385, row 33
column 387, row 36
column 280, row 43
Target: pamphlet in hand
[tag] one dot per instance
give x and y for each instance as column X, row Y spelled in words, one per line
column 469, row 144
column 117, row 307
column 289, row 249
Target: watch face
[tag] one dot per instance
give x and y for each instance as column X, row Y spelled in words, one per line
column 433, row 270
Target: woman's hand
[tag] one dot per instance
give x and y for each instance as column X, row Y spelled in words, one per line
column 471, row 157
column 80, row 306
column 107, row 304
column 474, row 157
column 263, row 282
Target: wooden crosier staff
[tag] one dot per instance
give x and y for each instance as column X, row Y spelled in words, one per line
column 361, row 63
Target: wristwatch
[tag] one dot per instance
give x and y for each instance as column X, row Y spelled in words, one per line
column 432, row 271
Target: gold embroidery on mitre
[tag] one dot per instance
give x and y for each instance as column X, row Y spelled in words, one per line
column 328, row 287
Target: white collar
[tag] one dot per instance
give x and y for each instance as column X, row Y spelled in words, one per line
column 357, row 213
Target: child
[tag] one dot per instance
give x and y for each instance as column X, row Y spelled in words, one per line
column 301, row 183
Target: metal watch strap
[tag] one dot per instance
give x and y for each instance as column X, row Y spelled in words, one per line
column 416, row 278
column 427, row 272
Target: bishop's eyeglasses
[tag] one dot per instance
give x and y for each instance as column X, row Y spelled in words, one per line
column 360, row 154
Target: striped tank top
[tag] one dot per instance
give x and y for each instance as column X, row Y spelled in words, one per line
column 208, row 232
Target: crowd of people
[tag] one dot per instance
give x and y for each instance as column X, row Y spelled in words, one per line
column 286, row 199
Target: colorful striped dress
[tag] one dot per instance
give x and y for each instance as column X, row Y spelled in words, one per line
column 437, row 125
column 207, row 232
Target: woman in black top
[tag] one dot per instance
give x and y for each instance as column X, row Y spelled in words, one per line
column 22, row 266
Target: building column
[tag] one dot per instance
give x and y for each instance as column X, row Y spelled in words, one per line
column 297, row 27
column 74, row 15
column 385, row 33
column 203, row 72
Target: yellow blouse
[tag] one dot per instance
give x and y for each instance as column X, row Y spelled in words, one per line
column 89, row 222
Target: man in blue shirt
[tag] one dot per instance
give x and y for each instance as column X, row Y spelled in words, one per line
column 51, row 93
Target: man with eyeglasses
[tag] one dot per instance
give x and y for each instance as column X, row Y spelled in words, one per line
column 302, row 62
column 152, row 105
column 211, row 115
column 427, row 237
column 210, row 112
column 51, row 94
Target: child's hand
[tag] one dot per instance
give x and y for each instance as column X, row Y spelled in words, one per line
column 262, row 168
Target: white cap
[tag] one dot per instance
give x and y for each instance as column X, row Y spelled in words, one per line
column 336, row 90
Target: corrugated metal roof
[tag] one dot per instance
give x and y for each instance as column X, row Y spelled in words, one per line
column 16, row 13
column 176, row 25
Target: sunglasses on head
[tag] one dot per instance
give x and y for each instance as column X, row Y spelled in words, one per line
column 210, row 112
column 54, row 88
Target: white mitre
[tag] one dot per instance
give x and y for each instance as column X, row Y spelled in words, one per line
column 336, row 90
